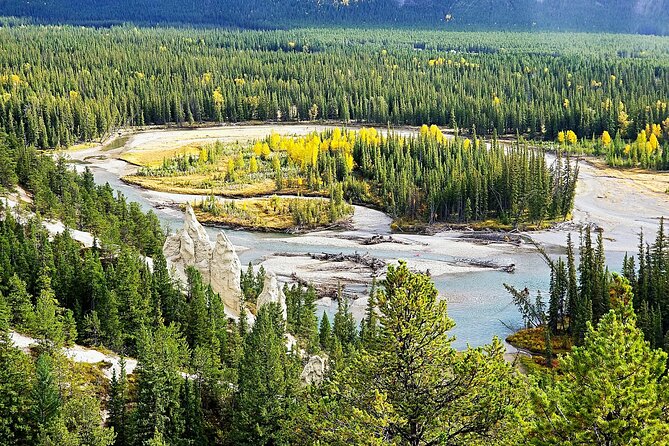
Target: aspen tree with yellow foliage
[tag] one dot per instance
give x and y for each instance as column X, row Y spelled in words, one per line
column 606, row 138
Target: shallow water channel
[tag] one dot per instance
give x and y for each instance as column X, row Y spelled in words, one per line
column 478, row 301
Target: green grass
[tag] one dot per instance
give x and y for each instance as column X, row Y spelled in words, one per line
column 274, row 214
column 534, row 341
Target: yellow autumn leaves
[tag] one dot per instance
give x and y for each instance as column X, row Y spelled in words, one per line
column 462, row 63
column 569, row 137
column 304, row 151
column 432, row 131
column 647, row 144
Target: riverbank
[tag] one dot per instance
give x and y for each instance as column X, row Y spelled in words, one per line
column 291, row 215
column 477, row 299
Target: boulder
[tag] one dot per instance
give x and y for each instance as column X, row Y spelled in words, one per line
column 314, row 371
column 272, row 292
column 218, row 262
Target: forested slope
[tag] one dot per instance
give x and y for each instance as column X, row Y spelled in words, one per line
column 642, row 16
column 63, row 85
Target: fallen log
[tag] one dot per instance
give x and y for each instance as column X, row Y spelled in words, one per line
column 510, row 268
column 366, row 260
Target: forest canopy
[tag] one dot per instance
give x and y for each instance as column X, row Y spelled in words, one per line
column 61, row 85
column 573, row 15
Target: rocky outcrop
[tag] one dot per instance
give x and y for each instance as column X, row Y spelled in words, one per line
column 217, row 262
column 314, row 371
column 225, row 271
column 272, row 293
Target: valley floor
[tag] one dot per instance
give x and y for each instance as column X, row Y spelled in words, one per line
column 621, row 205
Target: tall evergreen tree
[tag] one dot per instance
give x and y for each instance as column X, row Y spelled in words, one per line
column 267, row 381
column 369, row 327
column 46, row 396
column 613, row 389
column 413, row 388
column 118, row 409
column 162, row 358
column 325, row 333
column 16, row 378
column 344, row 327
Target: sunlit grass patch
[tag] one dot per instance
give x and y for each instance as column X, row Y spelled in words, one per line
column 156, row 157
column 273, row 213
column 534, row 340
column 204, row 185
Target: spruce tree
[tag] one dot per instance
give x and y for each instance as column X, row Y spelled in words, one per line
column 267, row 379
column 344, row 327
column 325, row 333
column 46, row 396
column 191, row 403
column 369, row 327
column 117, row 407
column 16, row 377
column 613, row 387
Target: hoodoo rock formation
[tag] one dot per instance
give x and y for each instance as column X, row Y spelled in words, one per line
column 314, row 370
column 217, row 262
column 272, row 293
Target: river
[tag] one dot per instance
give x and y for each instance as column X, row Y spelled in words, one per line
column 478, row 301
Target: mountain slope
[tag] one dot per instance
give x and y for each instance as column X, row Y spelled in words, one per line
column 631, row 16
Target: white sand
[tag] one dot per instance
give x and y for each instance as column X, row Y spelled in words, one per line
column 77, row 353
column 621, row 206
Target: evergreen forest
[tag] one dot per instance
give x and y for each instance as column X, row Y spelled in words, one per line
column 461, row 134
column 63, row 85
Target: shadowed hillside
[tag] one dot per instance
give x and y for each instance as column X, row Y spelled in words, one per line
column 633, row 16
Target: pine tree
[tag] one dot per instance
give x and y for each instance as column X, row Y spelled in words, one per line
column 325, row 333
column 572, row 285
column 171, row 300
column 20, row 302
column 162, row 357
column 193, row 417
column 46, row 395
column 613, row 388
column 118, row 410
column 266, row 381
column 369, row 328
column 15, row 382
column 199, row 324
column 344, row 327
column 48, row 318
column 413, row 388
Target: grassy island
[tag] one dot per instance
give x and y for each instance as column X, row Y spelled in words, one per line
column 420, row 180
column 289, row 214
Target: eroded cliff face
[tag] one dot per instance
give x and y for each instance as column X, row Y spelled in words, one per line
column 272, row 292
column 217, row 262
column 314, row 370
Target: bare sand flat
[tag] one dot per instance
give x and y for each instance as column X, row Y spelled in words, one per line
column 621, row 202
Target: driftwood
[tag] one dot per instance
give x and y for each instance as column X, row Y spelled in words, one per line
column 325, row 289
column 340, row 225
column 366, row 260
column 494, row 237
column 510, row 268
column 378, row 239
column 322, row 290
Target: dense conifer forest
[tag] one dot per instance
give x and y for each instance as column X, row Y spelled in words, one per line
column 647, row 17
column 61, row 85
column 580, row 289
column 189, row 372
column 203, row 378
